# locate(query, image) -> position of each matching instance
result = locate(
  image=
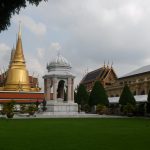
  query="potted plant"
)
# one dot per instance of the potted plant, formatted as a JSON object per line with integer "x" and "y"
{"x": 8, "y": 109}
{"x": 31, "y": 109}
{"x": 23, "y": 108}
{"x": 129, "y": 109}
{"x": 100, "y": 109}
{"x": 3, "y": 112}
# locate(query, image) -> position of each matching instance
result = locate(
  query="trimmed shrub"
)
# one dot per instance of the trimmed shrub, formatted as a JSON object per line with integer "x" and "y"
{"x": 98, "y": 95}
{"x": 126, "y": 97}
{"x": 82, "y": 96}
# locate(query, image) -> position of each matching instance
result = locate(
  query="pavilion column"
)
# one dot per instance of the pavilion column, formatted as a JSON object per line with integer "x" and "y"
{"x": 47, "y": 89}
{"x": 50, "y": 87}
{"x": 69, "y": 90}
{"x": 55, "y": 84}
{"x": 72, "y": 90}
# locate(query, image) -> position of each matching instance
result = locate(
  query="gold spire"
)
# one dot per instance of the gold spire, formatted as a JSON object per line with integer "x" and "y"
{"x": 17, "y": 73}
{"x": 18, "y": 56}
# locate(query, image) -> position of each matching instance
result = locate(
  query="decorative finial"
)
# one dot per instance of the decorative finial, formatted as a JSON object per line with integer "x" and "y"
{"x": 19, "y": 33}
{"x": 13, "y": 47}
{"x": 112, "y": 64}
{"x": 108, "y": 64}
{"x": 104, "y": 64}
{"x": 58, "y": 53}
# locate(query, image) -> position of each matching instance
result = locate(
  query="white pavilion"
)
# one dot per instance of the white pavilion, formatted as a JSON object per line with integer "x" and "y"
{"x": 59, "y": 87}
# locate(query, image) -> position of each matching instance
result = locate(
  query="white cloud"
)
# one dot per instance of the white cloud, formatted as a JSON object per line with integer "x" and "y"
{"x": 36, "y": 68}
{"x": 37, "y": 28}
{"x": 132, "y": 11}
{"x": 55, "y": 46}
{"x": 4, "y": 47}
{"x": 90, "y": 31}
{"x": 4, "y": 55}
{"x": 40, "y": 52}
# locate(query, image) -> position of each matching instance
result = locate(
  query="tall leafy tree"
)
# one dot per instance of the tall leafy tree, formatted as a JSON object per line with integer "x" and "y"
{"x": 11, "y": 7}
{"x": 126, "y": 97}
{"x": 98, "y": 95}
{"x": 82, "y": 95}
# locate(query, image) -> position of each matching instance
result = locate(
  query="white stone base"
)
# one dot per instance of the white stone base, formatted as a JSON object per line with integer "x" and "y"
{"x": 58, "y": 107}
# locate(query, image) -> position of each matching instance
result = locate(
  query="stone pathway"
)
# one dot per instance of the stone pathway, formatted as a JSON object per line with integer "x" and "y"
{"x": 79, "y": 115}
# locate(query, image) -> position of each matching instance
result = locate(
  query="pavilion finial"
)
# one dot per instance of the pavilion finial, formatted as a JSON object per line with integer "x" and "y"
{"x": 58, "y": 53}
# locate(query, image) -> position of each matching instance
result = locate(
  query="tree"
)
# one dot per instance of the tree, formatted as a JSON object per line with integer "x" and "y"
{"x": 98, "y": 95}
{"x": 148, "y": 97}
{"x": 148, "y": 103}
{"x": 126, "y": 97}
{"x": 82, "y": 96}
{"x": 11, "y": 7}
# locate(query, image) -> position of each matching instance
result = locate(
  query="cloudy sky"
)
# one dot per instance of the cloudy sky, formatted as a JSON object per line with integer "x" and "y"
{"x": 86, "y": 32}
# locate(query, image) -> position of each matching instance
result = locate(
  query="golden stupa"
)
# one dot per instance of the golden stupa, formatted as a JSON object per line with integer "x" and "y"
{"x": 17, "y": 76}
{"x": 15, "y": 82}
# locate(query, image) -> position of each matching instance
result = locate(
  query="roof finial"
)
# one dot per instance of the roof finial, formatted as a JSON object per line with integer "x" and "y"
{"x": 108, "y": 64}
{"x": 104, "y": 64}
{"x": 112, "y": 64}
{"x": 19, "y": 33}
{"x": 13, "y": 47}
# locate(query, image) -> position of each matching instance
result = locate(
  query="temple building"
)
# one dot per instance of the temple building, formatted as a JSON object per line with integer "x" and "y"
{"x": 138, "y": 80}
{"x": 16, "y": 83}
{"x": 59, "y": 87}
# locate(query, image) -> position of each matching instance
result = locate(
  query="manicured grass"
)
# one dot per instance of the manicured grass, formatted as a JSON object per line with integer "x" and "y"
{"x": 75, "y": 134}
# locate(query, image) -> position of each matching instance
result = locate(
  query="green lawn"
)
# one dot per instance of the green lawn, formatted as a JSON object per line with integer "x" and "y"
{"x": 75, "y": 134}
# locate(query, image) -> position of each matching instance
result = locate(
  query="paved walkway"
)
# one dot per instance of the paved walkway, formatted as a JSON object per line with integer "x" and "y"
{"x": 79, "y": 115}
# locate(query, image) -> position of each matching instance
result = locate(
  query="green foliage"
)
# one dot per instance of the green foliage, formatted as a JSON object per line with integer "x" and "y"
{"x": 23, "y": 108}
{"x": 86, "y": 108}
{"x": 31, "y": 109}
{"x": 75, "y": 94}
{"x": 98, "y": 95}
{"x": 141, "y": 109}
{"x": 9, "y": 108}
{"x": 129, "y": 108}
{"x": 44, "y": 108}
{"x": 148, "y": 108}
{"x": 126, "y": 97}
{"x": 11, "y": 7}
{"x": 100, "y": 109}
{"x": 82, "y": 96}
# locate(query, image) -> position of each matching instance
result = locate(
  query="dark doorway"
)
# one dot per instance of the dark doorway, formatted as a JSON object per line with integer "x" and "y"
{"x": 60, "y": 90}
